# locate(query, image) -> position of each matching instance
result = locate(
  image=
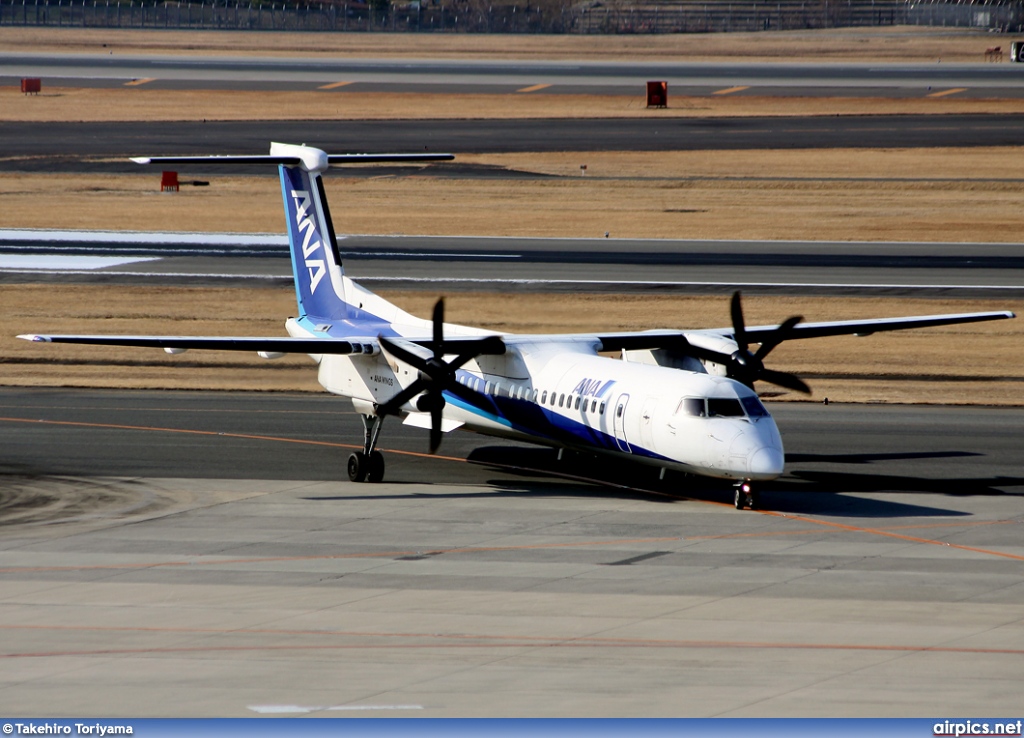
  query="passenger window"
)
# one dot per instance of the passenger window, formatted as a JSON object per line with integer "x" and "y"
{"x": 561, "y": 400}
{"x": 602, "y": 408}
{"x": 577, "y": 407}
{"x": 724, "y": 407}
{"x": 544, "y": 398}
{"x": 618, "y": 413}
{"x": 488, "y": 388}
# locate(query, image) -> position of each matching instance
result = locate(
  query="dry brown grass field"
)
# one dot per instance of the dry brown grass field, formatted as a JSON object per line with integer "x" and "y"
{"x": 900, "y": 43}
{"x": 137, "y": 103}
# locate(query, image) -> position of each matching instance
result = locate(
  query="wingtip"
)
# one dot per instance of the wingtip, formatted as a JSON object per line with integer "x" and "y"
{"x": 142, "y": 159}
{"x": 34, "y": 337}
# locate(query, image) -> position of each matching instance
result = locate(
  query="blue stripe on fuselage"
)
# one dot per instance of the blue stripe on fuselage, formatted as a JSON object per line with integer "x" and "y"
{"x": 531, "y": 419}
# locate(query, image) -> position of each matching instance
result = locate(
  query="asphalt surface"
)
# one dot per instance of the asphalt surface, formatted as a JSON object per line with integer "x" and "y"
{"x": 968, "y": 270}
{"x": 29, "y": 146}
{"x": 195, "y": 554}
{"x": 596, "y": 77}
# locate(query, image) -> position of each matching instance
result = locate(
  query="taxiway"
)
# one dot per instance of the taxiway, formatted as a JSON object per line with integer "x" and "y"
{"x": 195, "y": 554}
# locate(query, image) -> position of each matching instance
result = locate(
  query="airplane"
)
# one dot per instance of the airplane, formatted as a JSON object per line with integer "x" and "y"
{"x": 681, "y": 400}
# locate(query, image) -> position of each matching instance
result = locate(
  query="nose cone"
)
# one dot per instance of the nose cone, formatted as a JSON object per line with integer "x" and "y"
{"x": 766, "y": 463}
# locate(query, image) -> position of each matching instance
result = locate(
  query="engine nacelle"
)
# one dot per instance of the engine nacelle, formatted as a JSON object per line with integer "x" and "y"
{"x": 713, "y": 343}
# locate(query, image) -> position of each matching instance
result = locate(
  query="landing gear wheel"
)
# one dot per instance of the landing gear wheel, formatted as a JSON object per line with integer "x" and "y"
{"x": 745, "y": 496}
{"x": 375, "y": 473}
{"x": 753, "y": 500}
{"x": 358, "y": 466}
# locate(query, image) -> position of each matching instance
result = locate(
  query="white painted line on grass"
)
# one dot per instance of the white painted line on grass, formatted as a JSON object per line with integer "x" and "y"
{"x": 62, "y": 263}
{"x": 305, "y": 709}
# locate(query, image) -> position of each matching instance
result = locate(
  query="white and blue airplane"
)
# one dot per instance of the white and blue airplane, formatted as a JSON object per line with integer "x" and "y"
{"x": 672, "y": 399}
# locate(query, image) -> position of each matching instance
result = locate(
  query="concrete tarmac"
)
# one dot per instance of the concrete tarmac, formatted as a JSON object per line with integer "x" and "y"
{"x": 195, "y": 554}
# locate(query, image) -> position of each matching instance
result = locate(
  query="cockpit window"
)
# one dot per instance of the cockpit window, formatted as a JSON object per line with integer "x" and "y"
{"x": 724, "y": 407}
{"x": 754, "y": 407}
{"x": 692, "y": 406}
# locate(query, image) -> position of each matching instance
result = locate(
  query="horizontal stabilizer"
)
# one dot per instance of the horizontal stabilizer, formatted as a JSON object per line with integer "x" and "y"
{"x": 305, "y": 161}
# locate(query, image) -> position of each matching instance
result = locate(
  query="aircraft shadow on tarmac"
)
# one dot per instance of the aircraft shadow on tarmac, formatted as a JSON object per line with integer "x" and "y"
{"x": 537, "y": 472}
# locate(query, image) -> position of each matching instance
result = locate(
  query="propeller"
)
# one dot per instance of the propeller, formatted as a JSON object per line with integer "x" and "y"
{"x": 748, "y": 367}
{"x": 436, "y": 375}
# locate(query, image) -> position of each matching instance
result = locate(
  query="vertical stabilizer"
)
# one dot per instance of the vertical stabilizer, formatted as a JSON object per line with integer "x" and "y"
{"x": 316, "y": 263}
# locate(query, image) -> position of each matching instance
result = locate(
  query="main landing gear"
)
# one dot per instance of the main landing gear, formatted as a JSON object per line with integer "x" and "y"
{"x": 745, "y": 496}
{"x": 368, "y": 465}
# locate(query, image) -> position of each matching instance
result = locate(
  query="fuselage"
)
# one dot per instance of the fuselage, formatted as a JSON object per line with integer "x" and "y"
{"x": 689, "y": 421}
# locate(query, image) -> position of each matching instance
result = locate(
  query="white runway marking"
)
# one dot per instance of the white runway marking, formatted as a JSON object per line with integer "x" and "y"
{"x": 304, "y": 709}
{"x": 669, "y": 283}
{"x": 62, "y": 263}
{"x": 35, "y": 235}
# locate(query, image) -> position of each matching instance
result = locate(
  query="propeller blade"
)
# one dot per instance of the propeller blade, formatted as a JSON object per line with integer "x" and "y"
{"x": 784, "y": 379}
{"x": 438, "y": 321}
{"x": 739, "y": 327}
{"x": 391, "y": 406}
{"x": 780, "y": 334}
{"x": 436, "y": 413}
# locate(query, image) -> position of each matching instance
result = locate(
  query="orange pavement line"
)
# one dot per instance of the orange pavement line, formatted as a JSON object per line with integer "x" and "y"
{"x": 807, "y": 531}
{"x": 943, "y": 93}
{"x": 333, "y": 85}
{"x": 137, "y": 82}
{"x": 730, "y": 90}
{"x": 331, "y": 444}
{"x": 890, "y": 534}
{"x": 522, "y": 643}
{"x": 533, "y": 88}
{"x": 518, "y": 640}
{"x": 330, "y": 557}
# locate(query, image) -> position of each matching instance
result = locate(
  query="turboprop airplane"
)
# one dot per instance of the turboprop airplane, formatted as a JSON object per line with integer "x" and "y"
{"x": 673, "y": 399}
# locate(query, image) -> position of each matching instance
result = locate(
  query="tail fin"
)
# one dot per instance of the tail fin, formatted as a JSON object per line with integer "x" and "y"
{"x": 316, "y": 262}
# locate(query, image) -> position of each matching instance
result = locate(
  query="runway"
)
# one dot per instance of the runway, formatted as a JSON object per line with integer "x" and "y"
{"x": 966, "y": 270}
{"x": 344, "y": 75}
{"x": 74, "y": 147}
{"x": 194, "y": 554}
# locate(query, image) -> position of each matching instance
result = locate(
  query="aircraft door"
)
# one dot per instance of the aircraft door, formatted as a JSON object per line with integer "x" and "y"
{"x": 619, "y": 424}
{"x": 647, "y": 422}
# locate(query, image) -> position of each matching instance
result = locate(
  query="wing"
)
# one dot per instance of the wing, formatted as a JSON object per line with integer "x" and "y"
{"x": 271, "y": 344}
{"x": 221, "y": 343}
{"x": 867, "y": 327}
{"x": 668, "y": 339}
{"x": 615, "y": 341}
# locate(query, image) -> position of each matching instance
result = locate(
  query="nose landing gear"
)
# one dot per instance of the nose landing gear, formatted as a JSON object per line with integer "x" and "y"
{"x": 745, "y": 496}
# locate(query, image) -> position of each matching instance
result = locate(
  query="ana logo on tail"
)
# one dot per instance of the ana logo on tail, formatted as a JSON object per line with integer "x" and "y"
{"x": 307, "y": 227}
